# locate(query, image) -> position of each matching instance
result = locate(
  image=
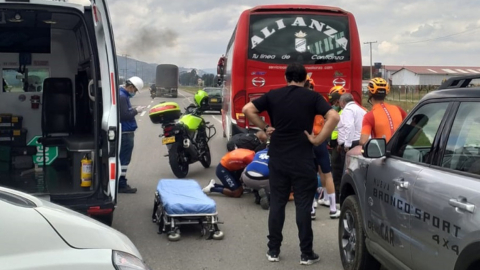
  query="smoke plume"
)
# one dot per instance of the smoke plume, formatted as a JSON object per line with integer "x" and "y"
{"x": 150, "y": 40}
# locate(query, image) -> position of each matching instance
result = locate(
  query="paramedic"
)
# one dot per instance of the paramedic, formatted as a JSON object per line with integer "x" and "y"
{"x": 255, "y": 176}
{"x": 292, "y": 110}
{"x": 129, "y": 125}
{"x": 383, "y": 119}
{"x": 247, "y": 140}
{"x": 229, "y": 171}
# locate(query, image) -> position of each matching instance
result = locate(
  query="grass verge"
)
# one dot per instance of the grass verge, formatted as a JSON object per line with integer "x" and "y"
{"x": 190, "y": 89}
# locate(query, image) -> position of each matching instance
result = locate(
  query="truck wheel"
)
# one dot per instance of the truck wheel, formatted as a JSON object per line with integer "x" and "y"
{"x": 351, "y": 238}
{"x": 174, "y": 94}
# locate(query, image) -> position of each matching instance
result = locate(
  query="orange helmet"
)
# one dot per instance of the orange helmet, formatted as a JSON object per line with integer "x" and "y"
{"x": 378, "y": 86}
{"x": 310, "y": 80}
{"x": 337, "y": 89}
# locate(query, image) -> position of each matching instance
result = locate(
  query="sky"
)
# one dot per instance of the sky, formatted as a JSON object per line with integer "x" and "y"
{"x": 195, "y": 33}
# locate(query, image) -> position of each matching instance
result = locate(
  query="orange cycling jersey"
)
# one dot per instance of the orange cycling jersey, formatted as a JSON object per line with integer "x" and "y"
{"x": 318, "y": 124}
{"x": 383, "y": 120}
{"x": 237, "y": 159}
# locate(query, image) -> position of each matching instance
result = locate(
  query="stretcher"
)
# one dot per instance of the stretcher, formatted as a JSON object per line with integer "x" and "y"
{"x": 179, "y": 202}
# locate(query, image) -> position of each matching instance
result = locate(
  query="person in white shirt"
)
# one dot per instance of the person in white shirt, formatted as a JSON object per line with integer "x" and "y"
{"x": 350, "y": 125}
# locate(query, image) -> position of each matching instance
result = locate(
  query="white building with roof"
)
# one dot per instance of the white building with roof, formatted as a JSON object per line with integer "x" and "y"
{"x": 425, "y": 75}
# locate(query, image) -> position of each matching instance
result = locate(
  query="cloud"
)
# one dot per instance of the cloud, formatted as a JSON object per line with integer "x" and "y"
{"x": 196, "y": 33}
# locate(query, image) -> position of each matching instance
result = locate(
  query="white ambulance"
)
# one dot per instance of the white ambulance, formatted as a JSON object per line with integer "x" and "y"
{"x": 59, "y": 119}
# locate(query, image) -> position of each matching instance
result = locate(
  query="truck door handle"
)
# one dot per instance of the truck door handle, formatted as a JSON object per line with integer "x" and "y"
{"x": 401, "y": 183}
{"x": 462, "y": 204}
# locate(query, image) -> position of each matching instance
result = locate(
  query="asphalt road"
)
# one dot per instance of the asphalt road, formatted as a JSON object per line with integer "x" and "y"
{"x": 244, "y": 246}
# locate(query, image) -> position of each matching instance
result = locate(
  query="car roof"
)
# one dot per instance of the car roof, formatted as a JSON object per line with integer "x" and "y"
{"x": 473, "y": 92}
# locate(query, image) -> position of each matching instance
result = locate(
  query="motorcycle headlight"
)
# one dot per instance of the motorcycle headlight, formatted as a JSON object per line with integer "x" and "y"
{"x": 125, "y": 261}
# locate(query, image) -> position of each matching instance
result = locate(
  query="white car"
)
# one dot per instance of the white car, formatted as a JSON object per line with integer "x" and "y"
{"x": 36, "y": 234}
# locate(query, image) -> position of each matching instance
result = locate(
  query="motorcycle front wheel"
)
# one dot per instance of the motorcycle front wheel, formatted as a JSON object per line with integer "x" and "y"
{"x": 176, "y": 159}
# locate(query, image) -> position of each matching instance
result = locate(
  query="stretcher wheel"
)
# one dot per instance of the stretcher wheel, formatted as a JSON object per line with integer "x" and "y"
{"x": 174, "y": 236}
{"x": 218, "y": 235}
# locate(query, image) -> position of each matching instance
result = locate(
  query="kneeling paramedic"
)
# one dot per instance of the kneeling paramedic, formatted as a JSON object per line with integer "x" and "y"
{"x": 256, "y": 177}
{"x": 129, "y": 125}
{"x": 229, "y": 171}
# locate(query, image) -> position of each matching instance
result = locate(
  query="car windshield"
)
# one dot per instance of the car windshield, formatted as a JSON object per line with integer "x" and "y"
{"x": 214, "y": 92}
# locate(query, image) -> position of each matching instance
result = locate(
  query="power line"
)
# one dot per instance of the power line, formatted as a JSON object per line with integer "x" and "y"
{"x": 451, "y": 35}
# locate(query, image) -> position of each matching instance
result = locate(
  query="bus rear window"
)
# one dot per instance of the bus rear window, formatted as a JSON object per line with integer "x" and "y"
{"x": 305, "y": 38}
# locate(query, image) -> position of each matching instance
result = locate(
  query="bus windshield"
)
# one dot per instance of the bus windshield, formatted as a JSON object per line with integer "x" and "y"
{"x": 305, "y": 38}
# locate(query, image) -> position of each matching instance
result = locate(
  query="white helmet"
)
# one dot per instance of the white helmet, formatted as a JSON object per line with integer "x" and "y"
{"x": 136, "y": 81}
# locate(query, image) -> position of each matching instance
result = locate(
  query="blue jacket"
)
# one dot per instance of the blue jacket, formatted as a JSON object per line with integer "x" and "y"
{"x": 258, "y": 168}
{"x": 127, "y": 113}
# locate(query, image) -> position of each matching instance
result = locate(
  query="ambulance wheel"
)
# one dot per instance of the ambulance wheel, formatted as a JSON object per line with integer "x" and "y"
{"x": 218, "y": 235}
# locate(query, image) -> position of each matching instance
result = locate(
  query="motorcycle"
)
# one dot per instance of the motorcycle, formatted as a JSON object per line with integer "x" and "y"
{"x": 186, "y": 138}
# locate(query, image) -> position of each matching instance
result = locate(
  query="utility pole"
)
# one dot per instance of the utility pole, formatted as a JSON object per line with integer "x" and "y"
{"x": 126, "y": 63}
{"x": 370, "y": 43}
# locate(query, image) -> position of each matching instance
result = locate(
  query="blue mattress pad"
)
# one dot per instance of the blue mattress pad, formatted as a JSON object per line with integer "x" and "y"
{"x": 184, "y": 197}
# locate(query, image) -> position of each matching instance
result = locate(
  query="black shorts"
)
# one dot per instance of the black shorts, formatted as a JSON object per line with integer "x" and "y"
{"x": 322, "y": 157}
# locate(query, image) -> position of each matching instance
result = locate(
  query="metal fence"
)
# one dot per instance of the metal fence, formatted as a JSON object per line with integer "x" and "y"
{"x": 410, "y": 93}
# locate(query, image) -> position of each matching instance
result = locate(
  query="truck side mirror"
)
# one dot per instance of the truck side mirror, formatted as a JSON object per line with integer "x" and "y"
{"x": 375, "y": 148}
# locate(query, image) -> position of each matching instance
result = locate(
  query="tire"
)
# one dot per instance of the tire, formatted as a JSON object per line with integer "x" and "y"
{"x": 206, "y": 159}
{"x": 105, "y": 219}
{"x": 218, "y": 235}
{"x": 175, "y": 236}
{"x": 358, "y": 258}
{"x": 175, "y": 94}
{"x": 179, "y": 167}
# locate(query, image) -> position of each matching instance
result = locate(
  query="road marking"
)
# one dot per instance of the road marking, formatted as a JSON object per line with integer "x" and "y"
{"x": 151, "y": 101}
{"x": 218, "y": 120}
{"x": 148, "y": 107}
{"x": 143, "y": 113}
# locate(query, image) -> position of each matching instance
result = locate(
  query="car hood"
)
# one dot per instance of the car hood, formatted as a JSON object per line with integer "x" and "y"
{"x": 78, "y": 230}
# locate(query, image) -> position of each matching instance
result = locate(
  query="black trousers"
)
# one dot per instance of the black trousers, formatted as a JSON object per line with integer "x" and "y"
{"x": 302, "y": 176}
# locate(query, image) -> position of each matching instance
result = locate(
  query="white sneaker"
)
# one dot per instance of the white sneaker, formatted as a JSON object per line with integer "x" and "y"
{"x": 324, "y": 202}
{"x": 335, "y": 214}
{"x": 315, "y": 203}
{"x": 207, "y": 189}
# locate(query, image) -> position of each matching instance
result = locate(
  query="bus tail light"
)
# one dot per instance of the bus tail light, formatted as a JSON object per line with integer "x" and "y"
{"x": 239, "y": 100}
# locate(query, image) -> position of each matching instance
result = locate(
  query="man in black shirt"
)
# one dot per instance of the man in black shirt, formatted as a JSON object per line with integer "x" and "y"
{"x": 292, "y": 110}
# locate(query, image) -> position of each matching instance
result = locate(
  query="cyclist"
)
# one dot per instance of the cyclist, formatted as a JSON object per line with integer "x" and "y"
{"x": 322, "y": 160}
{"x": 384, "y": 118}
{"x": 229, "y": 171}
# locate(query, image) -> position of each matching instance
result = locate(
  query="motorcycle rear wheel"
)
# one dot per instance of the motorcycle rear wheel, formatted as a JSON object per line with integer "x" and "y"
{"x": 177, "y": 164}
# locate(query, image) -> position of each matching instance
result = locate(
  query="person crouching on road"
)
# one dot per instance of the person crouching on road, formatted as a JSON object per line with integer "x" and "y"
{"x": 229, "y": 171}
{"x": 251, "y": 141}
{"x": 256, "y": 177}
{"x": 129, "y": 125}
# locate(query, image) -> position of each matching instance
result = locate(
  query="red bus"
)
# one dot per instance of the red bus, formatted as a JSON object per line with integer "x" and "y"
{"x": 269, "y": 37}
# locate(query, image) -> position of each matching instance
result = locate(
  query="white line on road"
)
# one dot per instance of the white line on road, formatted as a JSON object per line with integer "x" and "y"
{"x": 151, "y": 101}
{"x": 143, "y": 113}
{"x": 148, "y": 107}
{"x": 218, "y": 120}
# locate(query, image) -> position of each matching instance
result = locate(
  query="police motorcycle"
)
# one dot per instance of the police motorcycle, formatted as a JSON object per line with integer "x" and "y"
{"x": 185, "y": 135}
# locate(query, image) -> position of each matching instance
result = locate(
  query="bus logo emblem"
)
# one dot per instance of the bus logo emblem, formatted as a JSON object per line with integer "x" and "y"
{"x": 258, "y": 81}
{"x": 339, "y": 82}
{"x": 300, "y": 42}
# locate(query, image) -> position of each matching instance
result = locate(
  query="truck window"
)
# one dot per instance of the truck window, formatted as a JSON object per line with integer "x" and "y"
{"x": 415, "y": 137}
{"x": 463, "y": 145}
